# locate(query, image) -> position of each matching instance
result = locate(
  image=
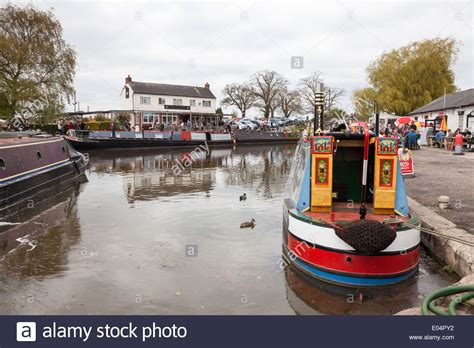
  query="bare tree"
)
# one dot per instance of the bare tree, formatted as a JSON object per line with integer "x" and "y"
{"x": 275, "y": 104}
{"x": 240, "y": 95}
{"x": 309, "y": 89}
{"x": 331, "y": 96}
{"x": 290, "y": 102}
{"x": 268, "y": 84}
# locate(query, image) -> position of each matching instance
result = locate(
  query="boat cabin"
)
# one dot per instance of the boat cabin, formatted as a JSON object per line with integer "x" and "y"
{"x": 349, "y": 171}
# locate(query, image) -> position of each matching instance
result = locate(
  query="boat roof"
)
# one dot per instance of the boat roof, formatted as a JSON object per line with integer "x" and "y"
{"x": 22, "y": 140}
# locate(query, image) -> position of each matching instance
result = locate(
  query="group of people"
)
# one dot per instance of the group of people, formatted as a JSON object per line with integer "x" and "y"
{"x": 188, "y": 126}
{"x": 440, "y": 136}
{"x": 409, "y": 134}
{"x": 64, "y": 125}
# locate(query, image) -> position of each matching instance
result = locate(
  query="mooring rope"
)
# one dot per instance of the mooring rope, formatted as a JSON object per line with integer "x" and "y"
{"x": 439, "y": 234}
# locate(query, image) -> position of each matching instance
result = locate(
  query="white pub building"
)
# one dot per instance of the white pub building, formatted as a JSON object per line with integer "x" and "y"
{"x": 152, "y": 104}
{"x": 458, "y": 108}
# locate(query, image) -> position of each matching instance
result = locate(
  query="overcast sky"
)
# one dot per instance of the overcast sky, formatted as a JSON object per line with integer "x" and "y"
{"x": 192, "y": 43}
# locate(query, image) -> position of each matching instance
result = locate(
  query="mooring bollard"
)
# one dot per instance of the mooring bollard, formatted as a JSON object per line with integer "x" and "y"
{"x": 443, "y": 202}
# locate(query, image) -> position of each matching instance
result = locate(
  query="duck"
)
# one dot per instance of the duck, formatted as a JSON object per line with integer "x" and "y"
{"x": 243, "y": 198}
{"x": 248, "y": 224}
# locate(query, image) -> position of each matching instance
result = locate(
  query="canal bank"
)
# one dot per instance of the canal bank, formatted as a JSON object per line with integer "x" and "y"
{"x": 439, "y": 173}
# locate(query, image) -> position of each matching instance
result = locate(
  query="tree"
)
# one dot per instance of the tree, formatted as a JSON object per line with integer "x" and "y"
{"x": 37, "y": 66}
{"x": 331, "y": 96}
{"x": 335, "y": 113}
{"x": 219, "y": 111}
{"x": 407, "y": 78}
{"x": 290, "y": 102}
{"x": 240, "y": 95}
{"x": 363, "y": 101}
{"x": 123, "y": 118}
{"x": 309, "y": 91}
{"x": 267, "y": 86}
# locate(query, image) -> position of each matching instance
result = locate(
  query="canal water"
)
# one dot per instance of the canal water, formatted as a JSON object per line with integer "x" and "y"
{"x": 158, "y": 232}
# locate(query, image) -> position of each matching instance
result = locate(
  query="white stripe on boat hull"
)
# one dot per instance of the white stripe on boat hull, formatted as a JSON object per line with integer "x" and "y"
{"x": 326, "y": 236}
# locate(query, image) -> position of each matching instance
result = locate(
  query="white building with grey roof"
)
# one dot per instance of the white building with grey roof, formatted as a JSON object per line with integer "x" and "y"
{"x": 157, "y": 103}
{"x": 457, "y": 107}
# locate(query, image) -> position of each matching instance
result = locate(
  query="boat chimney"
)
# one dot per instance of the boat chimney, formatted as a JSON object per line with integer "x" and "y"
{"x": 318, "y": 108}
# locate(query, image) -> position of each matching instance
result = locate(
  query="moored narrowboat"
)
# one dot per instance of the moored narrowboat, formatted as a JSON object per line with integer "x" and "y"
{"x": 171, "y": 139}
{"x": 31, "y": 166}
{"x": 346, "y": 218}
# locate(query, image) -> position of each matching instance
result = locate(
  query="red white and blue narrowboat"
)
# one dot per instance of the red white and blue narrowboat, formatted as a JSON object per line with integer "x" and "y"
{"x": 346, "y": 218}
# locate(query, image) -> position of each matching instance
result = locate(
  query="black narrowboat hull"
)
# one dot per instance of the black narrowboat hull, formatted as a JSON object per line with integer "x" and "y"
{"x": 240, "y": 138}
{"x": 109, "y": 143}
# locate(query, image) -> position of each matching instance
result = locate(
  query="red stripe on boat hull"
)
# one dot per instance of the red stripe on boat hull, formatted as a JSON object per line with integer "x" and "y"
{"x": 353, "y": 264}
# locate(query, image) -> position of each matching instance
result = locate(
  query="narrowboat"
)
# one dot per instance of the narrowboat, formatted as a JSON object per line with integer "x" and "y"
{"x": 32, "y": 166}
{"x": 130, "y": 139}
{"x": 346, "y": 218}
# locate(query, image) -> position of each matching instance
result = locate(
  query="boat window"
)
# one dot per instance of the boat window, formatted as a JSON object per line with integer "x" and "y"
{"x": 38, "y": 154}
{"x": 2, "y": 163}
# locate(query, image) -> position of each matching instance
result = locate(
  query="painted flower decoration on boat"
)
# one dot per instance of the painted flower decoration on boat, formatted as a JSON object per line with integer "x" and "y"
{"x": 322, "y": 171}
{"x": 386, "y": 175}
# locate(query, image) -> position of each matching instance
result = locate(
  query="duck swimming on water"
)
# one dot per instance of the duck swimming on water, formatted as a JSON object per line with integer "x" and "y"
{"x": 249, "y": 224}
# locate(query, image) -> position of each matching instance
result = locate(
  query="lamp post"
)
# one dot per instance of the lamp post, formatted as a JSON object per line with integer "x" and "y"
{"x": 318, "y": 108}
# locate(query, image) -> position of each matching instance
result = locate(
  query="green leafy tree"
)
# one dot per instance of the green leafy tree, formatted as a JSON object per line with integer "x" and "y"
{"x": 100, "y": 117}
{"x": 37, "y": 66}
{"x": 407, "y": 78}
{"x": 363, "y": 101}
{"x": 123, "y": 118}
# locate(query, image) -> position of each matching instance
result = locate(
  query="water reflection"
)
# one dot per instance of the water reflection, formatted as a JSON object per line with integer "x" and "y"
{"x": 308, "y": 296}
{"x": 150, "y": 175}
{"x": 39, "y": 239}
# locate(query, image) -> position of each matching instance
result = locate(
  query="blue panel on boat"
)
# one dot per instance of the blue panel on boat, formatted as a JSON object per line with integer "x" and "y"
{"x": 401, "y": 202}
{"x": 303, "y": 198}
{"x": 352, "y": 281}
{"x": 127, "y": 135}
{"x": 149, "y": 135}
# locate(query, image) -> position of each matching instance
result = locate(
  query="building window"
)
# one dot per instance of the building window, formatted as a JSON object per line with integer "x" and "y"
{"x": 170, "y": 119}
{"x": 145, "y": 100}
{"x": 206, "y": 103}
{"x": 127, "y": 92}
{"x": 147, "y": 117}
{"x": 177, "y": 101}
{"x": 161, "y": 101}
{"x": 192, "y": 102}
{"x": 460, "y": 121}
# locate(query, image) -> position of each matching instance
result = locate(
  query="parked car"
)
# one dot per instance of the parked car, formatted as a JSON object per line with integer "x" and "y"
{"x": 250, "y": 125}
{"x": 258, "y": 123}
{"x": 245, "y": 124}
{"x": 276, "y": 122}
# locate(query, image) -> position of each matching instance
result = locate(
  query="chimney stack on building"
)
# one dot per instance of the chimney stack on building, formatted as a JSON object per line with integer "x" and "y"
{"x": 128, "y": 79}
{"x": 207, "y": 85}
